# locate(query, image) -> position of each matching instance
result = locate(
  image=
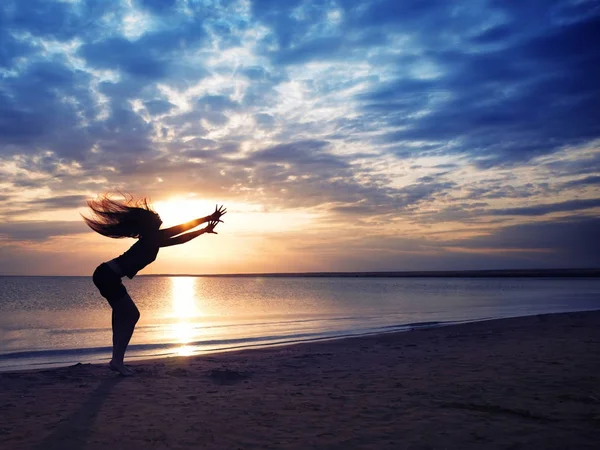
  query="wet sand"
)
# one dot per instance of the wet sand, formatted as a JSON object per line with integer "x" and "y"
{"x": 531, "y": 383}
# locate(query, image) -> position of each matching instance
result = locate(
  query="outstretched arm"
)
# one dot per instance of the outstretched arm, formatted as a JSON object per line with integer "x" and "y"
{"x": 178, "y": 229}
{"x": 182, "y": 238}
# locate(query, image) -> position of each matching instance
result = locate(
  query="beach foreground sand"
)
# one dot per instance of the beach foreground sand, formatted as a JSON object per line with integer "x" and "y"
{"x": 530, "y": 382}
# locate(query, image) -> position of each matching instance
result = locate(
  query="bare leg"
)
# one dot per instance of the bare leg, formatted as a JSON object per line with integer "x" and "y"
{"x": 124, "y": 318}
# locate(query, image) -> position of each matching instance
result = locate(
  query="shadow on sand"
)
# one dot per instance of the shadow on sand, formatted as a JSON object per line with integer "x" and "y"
{"x": 73, "y": 432}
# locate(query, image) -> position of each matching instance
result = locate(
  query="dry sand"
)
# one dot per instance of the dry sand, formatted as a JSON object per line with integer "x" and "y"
{"x": 531, "y": 383}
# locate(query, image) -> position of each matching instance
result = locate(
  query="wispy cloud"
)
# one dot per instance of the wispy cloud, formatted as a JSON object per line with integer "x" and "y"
{"x": 540, "y": 210}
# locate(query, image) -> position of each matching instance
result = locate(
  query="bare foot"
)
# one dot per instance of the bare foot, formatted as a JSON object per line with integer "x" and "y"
{"x": 123, "y": 371}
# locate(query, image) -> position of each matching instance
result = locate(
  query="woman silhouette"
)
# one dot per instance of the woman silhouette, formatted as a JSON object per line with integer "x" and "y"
{"x": 136, "y": 219}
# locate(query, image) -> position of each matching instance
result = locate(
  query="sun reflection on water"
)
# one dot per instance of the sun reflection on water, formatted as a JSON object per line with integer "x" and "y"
{"x": 184, "y": 311}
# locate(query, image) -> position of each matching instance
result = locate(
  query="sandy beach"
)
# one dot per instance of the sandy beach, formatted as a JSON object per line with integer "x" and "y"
{"x": 531, "y": 382}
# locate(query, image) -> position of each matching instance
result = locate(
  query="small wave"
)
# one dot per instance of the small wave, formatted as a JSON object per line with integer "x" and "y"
{"x": 39, "y": 358}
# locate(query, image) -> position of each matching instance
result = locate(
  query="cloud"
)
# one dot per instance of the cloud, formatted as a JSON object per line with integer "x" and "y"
{"x": 540, "y": 210}
{"x": 133, "y": 58}
{"x": 567, "y": 242}
{"x": 560, "y": 244}
{"x": 56, "y": 20}
{"x": 40, "y": 230}
{"x": 11, "y": 47}
{"x": 43, "y": 107}
{"x": 156, "y": 107}
{"x": 157, "y": 6}
{"x": 583, "y": 182}
{"x": 489, "y": 103}
{"x": 418, "y": 112}
{"x": 472, "y": 79}
{"x": 60, "y": 202}
{"x": 582, "y": 165}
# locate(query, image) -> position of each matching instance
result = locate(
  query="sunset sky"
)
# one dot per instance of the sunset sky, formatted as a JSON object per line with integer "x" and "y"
{"x": 341, "y": 135}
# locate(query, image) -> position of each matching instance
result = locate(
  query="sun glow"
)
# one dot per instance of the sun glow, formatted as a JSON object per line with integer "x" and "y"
{"x": 245, "y": 242}
{"x": 180, "y": 210}
{"x": 241, "y": 217}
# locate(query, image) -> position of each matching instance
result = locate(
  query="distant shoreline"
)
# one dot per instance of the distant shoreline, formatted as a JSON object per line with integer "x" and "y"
{"x": 544, "y": 273}
{"x": 509, "y": 273}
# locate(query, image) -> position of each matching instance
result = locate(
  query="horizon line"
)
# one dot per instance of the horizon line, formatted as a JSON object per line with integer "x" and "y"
{"x": 579, "y": 273}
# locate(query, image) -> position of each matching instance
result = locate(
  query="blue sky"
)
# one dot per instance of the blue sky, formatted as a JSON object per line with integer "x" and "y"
{"x": 344, "y": 135}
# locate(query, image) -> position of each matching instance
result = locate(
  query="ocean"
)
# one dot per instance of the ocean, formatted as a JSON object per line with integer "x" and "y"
{"x": 59, "y": 321}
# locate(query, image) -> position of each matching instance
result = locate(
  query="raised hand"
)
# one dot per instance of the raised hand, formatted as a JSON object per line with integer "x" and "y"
{"x": 210, "y": 228}
{"x": 219, "y": 211}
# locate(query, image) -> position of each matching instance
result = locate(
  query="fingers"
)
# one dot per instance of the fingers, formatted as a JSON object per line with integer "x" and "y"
{"x": 215, "y": 218}
{"x": 219, "y": 211}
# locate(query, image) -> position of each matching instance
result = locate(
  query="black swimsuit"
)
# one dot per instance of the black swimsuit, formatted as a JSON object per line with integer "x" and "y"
{"x": 139, "y": 255}
{"x": 109, "y": 284}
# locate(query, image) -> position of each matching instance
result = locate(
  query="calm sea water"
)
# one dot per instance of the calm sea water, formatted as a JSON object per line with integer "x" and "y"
{"x": 50, "y": 321}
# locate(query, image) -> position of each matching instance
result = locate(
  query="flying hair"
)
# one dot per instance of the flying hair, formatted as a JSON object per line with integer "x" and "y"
{"x": 119, "y": 218}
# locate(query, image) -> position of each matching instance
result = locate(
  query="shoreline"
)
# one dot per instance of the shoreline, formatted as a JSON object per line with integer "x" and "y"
{"x": 400, "y": 328}
{"x": 247, "y": 347}
{"x": 519, "y": 382}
